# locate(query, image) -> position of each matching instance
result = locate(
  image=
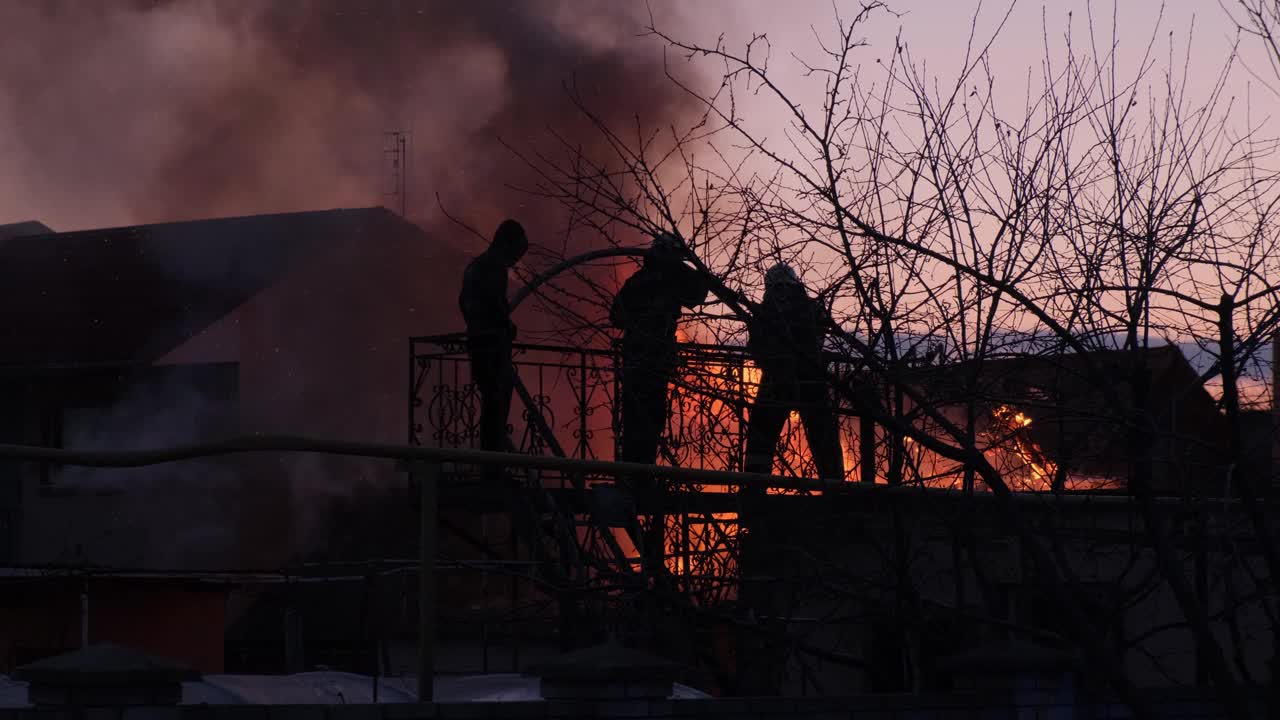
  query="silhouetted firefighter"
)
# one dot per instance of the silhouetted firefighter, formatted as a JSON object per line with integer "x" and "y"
{"x": 786, "y": 334}
{"x": 647, "y": 310}
{"x": 490, "y": 332}
{"x": 787, "y": 331}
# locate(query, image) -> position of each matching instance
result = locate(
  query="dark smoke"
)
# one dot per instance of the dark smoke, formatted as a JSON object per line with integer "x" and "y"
{"x": 163, "y": 516}
{"x": 122, "y": 113}
{"x": 142, "y": 112}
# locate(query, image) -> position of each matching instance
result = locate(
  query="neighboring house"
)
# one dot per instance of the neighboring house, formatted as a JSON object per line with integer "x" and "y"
{"x": 366, "y": 574}
{"x": 19, "y": 229}
{"x": 170, "y": 615}
{"x": 159, "y": 334}
{"x": 163, "y": 334}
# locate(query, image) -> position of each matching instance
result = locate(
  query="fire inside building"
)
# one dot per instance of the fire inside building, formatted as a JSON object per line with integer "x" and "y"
{"x": 881, "y": 581}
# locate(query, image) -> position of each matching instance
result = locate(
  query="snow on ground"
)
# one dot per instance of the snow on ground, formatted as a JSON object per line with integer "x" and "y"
{"x": 338, "y": 688}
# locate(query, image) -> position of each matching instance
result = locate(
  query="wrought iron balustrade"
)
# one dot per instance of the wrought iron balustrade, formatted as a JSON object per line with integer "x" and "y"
{"x": 573, "y": 391}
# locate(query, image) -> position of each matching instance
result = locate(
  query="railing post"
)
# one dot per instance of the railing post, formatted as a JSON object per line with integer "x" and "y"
{"x": 429, "y": 486}
{"x": 867, "y": 448}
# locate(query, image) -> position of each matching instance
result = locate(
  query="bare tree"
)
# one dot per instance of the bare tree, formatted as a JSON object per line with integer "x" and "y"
{"x": 1064, "y": 245}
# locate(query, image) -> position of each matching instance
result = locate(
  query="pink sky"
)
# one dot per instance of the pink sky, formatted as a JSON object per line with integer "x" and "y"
{"x": 937, "y": 32}
{"x": 103, "y": 150}
{"x": 103, "y": 141}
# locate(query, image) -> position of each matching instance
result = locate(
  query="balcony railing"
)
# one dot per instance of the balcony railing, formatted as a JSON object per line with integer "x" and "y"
{"x": 566, "y": 407}
{"x": 573, "y": 390}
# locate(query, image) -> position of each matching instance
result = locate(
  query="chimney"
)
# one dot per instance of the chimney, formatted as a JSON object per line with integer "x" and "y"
{"x": 607, "y": 672}
{"x": 104, "y": 675}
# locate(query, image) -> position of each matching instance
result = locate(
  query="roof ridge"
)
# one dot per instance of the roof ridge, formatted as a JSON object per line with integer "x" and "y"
{"x": 200, "y": 221}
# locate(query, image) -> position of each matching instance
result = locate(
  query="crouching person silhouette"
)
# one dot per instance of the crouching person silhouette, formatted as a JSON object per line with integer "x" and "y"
{"x": 490, "y": 333}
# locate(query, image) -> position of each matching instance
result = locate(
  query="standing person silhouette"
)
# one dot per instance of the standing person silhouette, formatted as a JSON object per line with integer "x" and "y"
{"x": 786, "y": 336}
{"x": 647, "y": 310}
{"x": 490, "y": 332}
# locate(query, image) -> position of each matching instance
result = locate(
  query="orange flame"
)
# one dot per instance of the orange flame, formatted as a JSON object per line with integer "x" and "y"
{"x": 1029, "y": 464}
{"x": 720, "y": 397}
{"x": 699, "y": 548}
{"x": 717, "y": 400}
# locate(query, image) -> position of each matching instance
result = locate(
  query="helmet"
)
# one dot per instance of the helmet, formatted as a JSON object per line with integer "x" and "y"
{"x": 781, "y": 274}
{"x": 667, "y": 245}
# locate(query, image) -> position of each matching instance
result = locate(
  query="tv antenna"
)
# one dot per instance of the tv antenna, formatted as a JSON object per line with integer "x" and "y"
{"x": 395, "y": 153}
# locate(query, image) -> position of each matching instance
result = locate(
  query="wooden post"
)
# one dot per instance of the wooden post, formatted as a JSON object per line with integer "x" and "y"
{"x": 429, "y": 485}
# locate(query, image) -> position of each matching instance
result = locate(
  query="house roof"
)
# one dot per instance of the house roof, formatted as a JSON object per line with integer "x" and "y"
{"x": 104, "y": 665}
{"x": 341, "y": 688}
{"x": 128, "y": 295}
{"x": 27, "y": 227}
{"x": 1010, "y": 655}
{"x": 1073, "y": 417}
{"x": 606, "y": 661}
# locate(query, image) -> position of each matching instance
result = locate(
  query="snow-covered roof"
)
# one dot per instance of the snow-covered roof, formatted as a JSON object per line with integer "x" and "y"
{"x": 338, "y": 688}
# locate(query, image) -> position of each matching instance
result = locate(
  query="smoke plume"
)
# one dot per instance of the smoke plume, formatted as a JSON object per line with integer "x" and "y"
{"x": 151, "y": 111}
{"x": 123, "y": 113}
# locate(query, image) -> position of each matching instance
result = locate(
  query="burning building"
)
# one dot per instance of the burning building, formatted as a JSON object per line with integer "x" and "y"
{"x": 295, "y": 323}
{"x": 1066, "y": 421}
{"x": 1045, "y": 423}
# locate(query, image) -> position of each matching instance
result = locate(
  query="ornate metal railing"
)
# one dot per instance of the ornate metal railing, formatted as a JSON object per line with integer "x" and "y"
{"x": 569, "y": 393}
{"x": 573, "y": 389}
{"x": 566, "y": 407}
{"x": 570, "y": 389}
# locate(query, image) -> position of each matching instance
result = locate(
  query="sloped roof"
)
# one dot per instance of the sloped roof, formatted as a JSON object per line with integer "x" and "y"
{"x": 128, "y": 295}
{"x": 1010, "y": 655}
{"x": 338, "y": 688}
{"x": 27, "y": 227}
{"x": 605, "y": 661}
{"x": 105, "y": 664}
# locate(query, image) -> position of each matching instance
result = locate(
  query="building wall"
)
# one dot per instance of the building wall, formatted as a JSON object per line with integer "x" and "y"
{"x": 37, "y": 623}
{"x": 159, "y": 517}
{"x": 186, "y": 625}
{"x": 853, "y": 549}
{"x": 325, "y": 353}
{"x": 43, "y": 618}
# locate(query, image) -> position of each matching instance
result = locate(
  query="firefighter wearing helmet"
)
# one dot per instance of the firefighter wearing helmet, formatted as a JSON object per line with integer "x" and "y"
{"x": 647, "y": 310}
{"x": 786, "y": 336}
